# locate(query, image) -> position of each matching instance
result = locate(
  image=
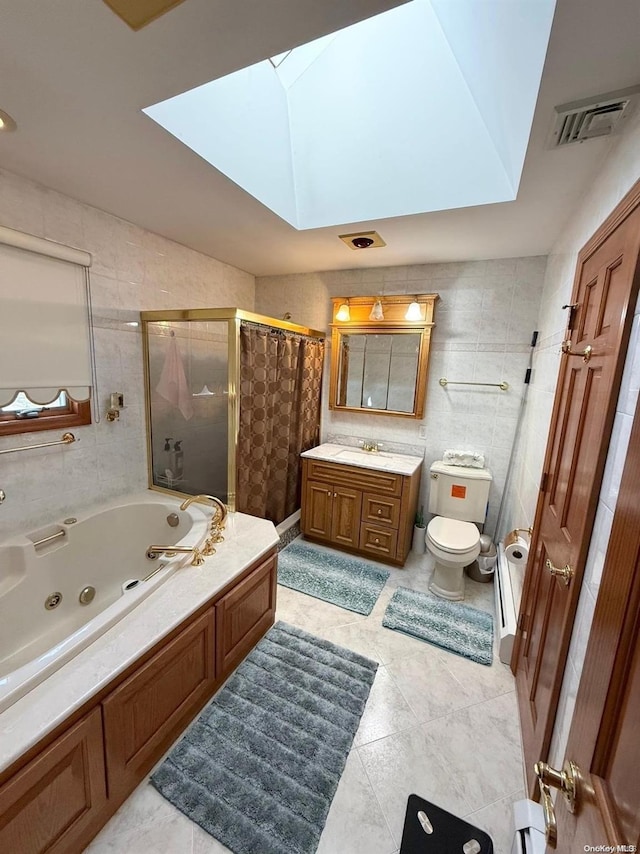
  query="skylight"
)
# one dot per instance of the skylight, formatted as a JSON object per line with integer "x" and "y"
{"x": 425, "y": 107}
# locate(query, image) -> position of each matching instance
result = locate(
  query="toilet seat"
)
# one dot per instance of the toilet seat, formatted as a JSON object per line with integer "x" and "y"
{"x": 452, "y": 535}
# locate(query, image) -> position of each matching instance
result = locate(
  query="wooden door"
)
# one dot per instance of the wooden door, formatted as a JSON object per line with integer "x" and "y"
{"x": 345, "y": 516}
{"x": 604, "y": 740}
{"x": 316, "y": 509}
{"x": 606, "y": 284}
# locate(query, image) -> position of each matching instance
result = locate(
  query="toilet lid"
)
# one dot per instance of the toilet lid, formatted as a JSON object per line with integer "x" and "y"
{"x": 452, "y": 535}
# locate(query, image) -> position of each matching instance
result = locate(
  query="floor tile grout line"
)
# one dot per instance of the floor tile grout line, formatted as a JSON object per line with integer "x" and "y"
{"x": 452, "y": 711}
{"x": 492, "y": 803}
{"x": 378, "y": 801}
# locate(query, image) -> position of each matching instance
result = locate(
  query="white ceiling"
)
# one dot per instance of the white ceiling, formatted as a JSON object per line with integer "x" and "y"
{"x": 75, "y": 78}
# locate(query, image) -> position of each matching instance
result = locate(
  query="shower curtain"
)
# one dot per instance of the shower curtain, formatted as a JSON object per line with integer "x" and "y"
{"x": 280, "y": 385}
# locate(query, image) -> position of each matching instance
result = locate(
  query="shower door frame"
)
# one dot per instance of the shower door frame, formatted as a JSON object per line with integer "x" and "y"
{"x": 233, "y": 318}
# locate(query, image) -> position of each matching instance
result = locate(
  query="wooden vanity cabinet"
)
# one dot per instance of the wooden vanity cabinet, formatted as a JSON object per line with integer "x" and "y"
{"x": 365, "y": 511}
{"x": 58, "y": 797}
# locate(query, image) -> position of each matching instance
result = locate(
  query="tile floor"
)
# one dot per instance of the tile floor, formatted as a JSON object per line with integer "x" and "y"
{"x": 435, "y": 724}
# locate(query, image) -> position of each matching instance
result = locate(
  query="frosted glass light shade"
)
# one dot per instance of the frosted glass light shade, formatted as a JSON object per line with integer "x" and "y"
{"x": 414, "y": 312}
{"x": 343, "y": 314}
{"x": 377, "y": 312}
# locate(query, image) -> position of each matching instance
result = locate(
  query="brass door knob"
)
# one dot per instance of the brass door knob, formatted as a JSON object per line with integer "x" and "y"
{"x": 567, "y": 782}
{"x": 564, "y": 572}
{"x": 586, "y": 353}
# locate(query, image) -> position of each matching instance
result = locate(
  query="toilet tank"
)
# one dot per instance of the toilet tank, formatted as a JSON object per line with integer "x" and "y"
{"x": 458, "y": 492}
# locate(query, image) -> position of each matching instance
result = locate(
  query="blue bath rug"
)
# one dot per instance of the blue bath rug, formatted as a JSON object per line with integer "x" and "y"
{"x": 449, "y": 625}
{"x": 259, "y": 768}
{"x": 341, "y": 580}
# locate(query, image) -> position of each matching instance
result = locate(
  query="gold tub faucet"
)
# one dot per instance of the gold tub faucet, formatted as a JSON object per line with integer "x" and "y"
{"x": 170, "y": 551}
{"x": 208, "y": 499}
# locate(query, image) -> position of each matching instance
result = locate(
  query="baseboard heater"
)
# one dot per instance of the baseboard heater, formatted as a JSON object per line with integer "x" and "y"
{"x": 508, "y": 590}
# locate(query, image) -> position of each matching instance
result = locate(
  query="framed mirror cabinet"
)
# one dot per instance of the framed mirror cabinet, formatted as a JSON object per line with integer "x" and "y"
{"x": 380, "y": 354}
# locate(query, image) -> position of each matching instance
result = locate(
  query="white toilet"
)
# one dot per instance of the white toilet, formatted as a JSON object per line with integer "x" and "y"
{"x": 458, "y": 496}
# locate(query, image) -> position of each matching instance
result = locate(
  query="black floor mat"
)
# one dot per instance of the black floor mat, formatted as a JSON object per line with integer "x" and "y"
{"x": 449, "y": 833}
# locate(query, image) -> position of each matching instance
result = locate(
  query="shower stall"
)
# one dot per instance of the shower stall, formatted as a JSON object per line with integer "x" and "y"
{"x": 232, "y": 400}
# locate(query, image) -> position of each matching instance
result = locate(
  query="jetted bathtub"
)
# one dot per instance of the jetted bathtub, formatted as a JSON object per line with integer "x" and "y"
{"x": 65, "y": 584}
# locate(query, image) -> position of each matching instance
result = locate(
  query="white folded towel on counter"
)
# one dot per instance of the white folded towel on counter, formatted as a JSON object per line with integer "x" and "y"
{"x": 469, "y": 459}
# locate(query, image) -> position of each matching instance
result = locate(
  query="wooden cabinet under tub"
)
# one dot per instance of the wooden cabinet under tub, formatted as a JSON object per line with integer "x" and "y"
{"x": 366, "y": 511}
{"x": 55, "y": 799}
{"x": 58, "y": 796}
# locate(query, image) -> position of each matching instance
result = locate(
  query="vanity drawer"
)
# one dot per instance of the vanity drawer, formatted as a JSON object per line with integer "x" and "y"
{"x": 381, "y": 510}
{"x": 378, "y": 540}
{"x": 367, "y": 480}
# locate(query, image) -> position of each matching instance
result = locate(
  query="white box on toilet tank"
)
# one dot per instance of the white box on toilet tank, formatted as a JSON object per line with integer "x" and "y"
{"x": 458, "y": 492}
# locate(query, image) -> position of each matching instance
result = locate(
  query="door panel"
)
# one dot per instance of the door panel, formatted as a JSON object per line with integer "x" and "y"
{"x": 345, "y": 523}
{"x": 316, "y": 510}
{"x": 584, "y": 407}
{"x": 244, "y": 615}
{"x": 144, "y": 714}
{"x": 52, "y": 802}
{"x": 603, "y": 739}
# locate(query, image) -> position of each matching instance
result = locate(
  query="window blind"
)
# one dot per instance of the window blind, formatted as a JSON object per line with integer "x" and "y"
{"x": 45, "y": 345}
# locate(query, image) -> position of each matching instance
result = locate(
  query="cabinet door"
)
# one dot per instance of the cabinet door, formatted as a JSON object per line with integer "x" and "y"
{"x": 149, "y": 709}
{"x": 378, "y": 540}
{"x": 245, "y": 614}
{"x": 345, "y": 520}
{"x": 316, "y": 510}
{"x": 50, "y": 804}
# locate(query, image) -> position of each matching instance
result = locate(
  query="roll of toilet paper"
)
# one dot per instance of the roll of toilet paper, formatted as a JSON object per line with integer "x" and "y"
{"x": 516, "y": 549}
{"x": 130, "y": 584}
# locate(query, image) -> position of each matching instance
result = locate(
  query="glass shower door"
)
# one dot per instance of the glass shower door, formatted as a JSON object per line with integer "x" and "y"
{"x": 188, "y": 376}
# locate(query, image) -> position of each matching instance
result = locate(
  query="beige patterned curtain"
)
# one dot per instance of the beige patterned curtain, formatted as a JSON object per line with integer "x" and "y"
{"x": 280, "y": 384}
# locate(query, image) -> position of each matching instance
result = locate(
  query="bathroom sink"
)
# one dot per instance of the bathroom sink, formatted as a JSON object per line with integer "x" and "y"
{"x": 357, "y": 456}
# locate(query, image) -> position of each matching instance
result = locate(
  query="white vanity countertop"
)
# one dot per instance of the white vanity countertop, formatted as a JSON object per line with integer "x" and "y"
{"x": 48, "y": 704}
{"x": 377, "y": 461}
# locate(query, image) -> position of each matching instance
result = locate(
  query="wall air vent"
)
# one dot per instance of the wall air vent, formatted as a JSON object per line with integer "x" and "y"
{"x": 592, "y": 118}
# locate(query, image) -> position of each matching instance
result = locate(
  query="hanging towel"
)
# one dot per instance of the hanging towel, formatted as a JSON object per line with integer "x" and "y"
{"x": 173, "y": 384}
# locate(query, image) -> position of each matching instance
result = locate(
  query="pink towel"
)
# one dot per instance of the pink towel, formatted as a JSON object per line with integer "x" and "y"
{"x": 173, "y": 384}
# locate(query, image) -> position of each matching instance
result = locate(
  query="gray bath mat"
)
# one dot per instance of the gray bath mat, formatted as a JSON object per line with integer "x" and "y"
{"x": 335, "y": 578}
{"x": 450, "y": 625}
{"x": 259, "y": 768}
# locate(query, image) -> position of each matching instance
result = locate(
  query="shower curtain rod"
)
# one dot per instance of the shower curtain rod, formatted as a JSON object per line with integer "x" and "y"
{"x": 204, "y": 314}
{"x": 276, "y": 330}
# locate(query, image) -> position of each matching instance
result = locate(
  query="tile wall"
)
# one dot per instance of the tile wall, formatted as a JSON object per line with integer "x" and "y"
{"x": 620, "y": 170}
{"x": 484, "y": 320}
{"x": 133, "y": 269}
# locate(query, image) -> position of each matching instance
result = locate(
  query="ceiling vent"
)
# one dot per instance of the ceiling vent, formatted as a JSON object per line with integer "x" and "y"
{"x": 593, "y": 117}
{"x": 363, "y": 240}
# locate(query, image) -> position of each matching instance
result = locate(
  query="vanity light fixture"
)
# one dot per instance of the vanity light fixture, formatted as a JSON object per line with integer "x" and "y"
{"x": 414, "y": 312}
{"x": 7, "y": 124}
{"x": 377, "y": 312}
{"x": 343, "y": 313}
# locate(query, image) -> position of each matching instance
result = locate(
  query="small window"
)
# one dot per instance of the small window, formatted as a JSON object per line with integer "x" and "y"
{"x": 22, "y": 415}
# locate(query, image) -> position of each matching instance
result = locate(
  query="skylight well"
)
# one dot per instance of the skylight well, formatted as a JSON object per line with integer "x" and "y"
{"x": 425, "y": 107}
